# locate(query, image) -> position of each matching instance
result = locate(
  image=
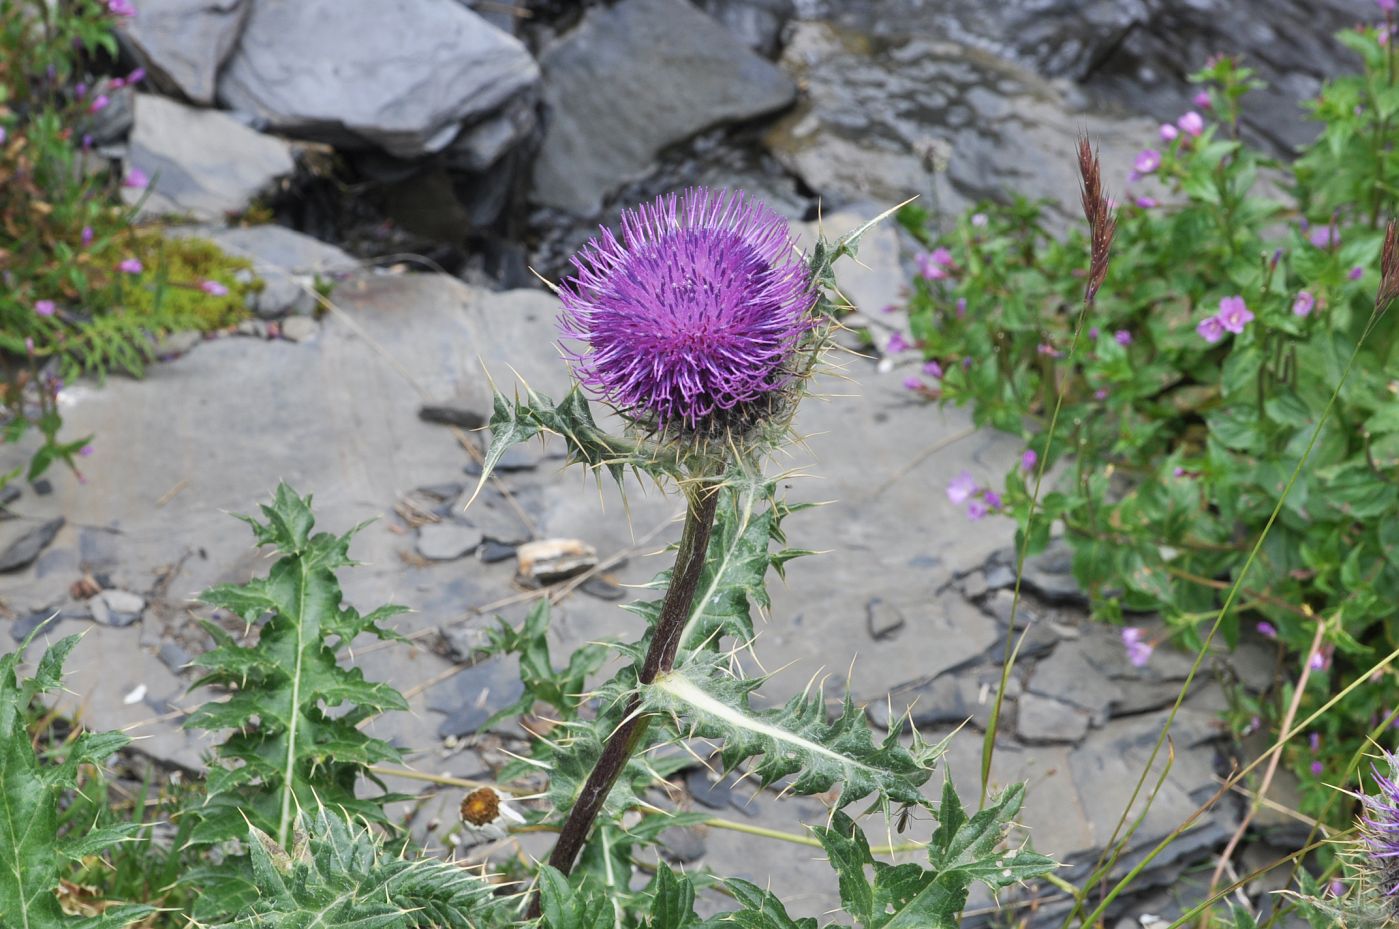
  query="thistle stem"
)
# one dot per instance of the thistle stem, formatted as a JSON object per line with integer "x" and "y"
{"x": 660, "y": 658}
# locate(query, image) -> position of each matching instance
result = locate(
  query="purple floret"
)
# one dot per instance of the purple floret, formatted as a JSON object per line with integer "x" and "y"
{"x": 694, "y": 312}
{"x": 1380, "y": 826}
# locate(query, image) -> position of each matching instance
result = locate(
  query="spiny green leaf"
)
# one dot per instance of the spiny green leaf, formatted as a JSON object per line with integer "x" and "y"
{"x": 968, "y": 847}
{"x": 674, "y": 904}
{"x": 761, "y": 910}
{"x": 795, "y": 740}
{"x": 30, "y": 795}
{"x": 338, "y": 874}
{"x": 288, "y": 750}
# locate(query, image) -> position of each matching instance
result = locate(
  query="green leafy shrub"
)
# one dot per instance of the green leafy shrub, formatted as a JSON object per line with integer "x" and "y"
{"x": 84, "y": 291}
{"x": 1241, "y": 293}
{"x": 32, "y": 843}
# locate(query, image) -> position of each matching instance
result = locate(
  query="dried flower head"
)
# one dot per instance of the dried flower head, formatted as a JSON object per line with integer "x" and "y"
{"x": 693, "y": 317}
{"x": 1098, "y": 210}
{"x": 486, "y": 812}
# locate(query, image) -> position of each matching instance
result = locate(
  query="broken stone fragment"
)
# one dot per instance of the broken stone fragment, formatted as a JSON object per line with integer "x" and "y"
{"x": 550, "y": 560}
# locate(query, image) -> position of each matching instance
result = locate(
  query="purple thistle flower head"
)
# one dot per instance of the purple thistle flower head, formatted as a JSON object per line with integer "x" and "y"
{"x": 1379, "y": 830}
{"x": 694, "y": 313}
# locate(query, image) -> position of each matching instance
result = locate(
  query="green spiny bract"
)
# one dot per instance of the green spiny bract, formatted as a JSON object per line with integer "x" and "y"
{"x": 30, "y": 794}
{"x": 288, "y": 751}
{"x": 336, "y": 873}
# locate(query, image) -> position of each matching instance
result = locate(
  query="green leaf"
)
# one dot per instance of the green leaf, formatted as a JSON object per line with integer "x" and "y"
{"x": 965, "y": 850}
{"x": 761, "y": 910}
{"x": 30, "y": 796}
{"x": 295, "y": 711}
{"x": 795, "y": 740}
{"x": 674, "y": 903}
{"x": 338, "y": 874}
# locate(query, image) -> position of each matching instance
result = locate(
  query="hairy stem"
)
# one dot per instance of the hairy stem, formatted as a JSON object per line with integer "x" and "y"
{"x": 665, "y": 643}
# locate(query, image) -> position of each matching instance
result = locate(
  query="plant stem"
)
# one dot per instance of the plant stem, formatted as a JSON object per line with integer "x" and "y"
{"x": 660, "y": 658}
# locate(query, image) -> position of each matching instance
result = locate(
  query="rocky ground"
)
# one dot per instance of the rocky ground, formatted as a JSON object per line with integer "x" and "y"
{"x": 488, "y": 136}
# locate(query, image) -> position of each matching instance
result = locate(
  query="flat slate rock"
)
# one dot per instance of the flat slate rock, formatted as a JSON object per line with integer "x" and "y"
{"x": 682, "y": 72}
{"x": 183, "y": 43}
{"x": 202, "y": 163}
{"x": 21, "y": 541}
{"x": 403, "y": 76}
{"x": 447, "y": 541}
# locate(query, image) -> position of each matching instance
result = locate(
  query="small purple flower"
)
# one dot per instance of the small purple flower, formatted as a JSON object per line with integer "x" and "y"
{"x": 1325, "y": 236}
{"x": 979, "y": 220}
{"x": 696, "y": 311}
{"x": 961, "y": 307}
{"x": 1317, "y": 768}
{"x": 1147, "y": 161}
{"x": 79, "y": 90}
{"x": 933, "y": 265}
{"x": 975, "y": 509}
{"x": 993, "y": 500}
{"x": 1028, "y": 459}
{"x": 1356, "y": 273}
{"x": 121, "y": 8}
{"x": 1267, "y": 630}
{"x": 1234, "y": 314}
{"x": 1385, "y": 5}
{"x": 1168, "y": 132}
{"x": 1202, "y": 100}
{"x": 1093, "y": 332}
{"x": 29, "y": 344}
{"x": 136, "y": 77}
{"x": 87, "y": 236}
{"x": 1123, "y": 337}
{"x": 932, "y": 369}
{"x": 130, "y": 266}
{"x": 912, "y": 383}
{"x": 86, "y": 451}
{"x": 214, "y": 289}
{"x": 1314, "y": 741}
{"x": 136, "y": 179}
{"x": 99, "y": 103}
{"x": 1320, "y": 660}
{"x": 1138, "y": 649}
{"x": 961, "y": 488}
{"x": 87, "y": 141}
{"x": 44, "y": 307}
{"x": 1046, "y": 348}
{"x": 3, "y": 135}
{"x": 1192, "y": 123}
{"x": 1211, "y": 330}
{"x": 1100, "y": 394}
{"x": 897, "y": 343}
{"x": 1146, "y": 203}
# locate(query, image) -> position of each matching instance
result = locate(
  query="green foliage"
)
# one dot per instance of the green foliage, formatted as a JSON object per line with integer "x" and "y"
{"x": 1172, "y": 450}
{"x": 31, "y": 849}
{"x": 67, "y": 307}
{"x": 338, "y": 874}
{"x": 796, "y": 740}
{"x": 288, "y": 751}
{"x": 963, "y": 850}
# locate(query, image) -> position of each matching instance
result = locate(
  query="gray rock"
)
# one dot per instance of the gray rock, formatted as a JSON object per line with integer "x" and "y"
{"x": 482, "y": 145}
{"x": 201, "y": 162}
{"x": 757, "y": 23}
{"x": 118, "y": 608}
{"x": 447, "y": 541}
{"x": 21, "y": 541}
{"x": 1050, "y": 575}
{"x": 1044, "y": 719}
{"x": 111, "y": 124}
{"x": 174, "y": 656}
{"x": 282, "y": 294}
{"x": 493, "y": 515}
{"x": 279, "y": 247}
{"x": 683, "y": 73}
{"x": 1069, "y": 676}
{"x": 254, "y": 328}
{"x": 473, "y": 695}
{"x": 299, "y": 328}
{"x": 177, "y": 343}
{"x": 21, "y": 628}
{"x": 404, "y": 76}
{"x": 681, "y": 846}
{"x": 493, "y": 552}
{"x": 183, "y": 43}
{"x": 889, "y": 120}
{"x": 451, "y": 415}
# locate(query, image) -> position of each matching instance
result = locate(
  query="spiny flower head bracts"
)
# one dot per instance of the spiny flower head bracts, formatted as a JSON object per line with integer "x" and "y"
{"x": 694, "y": 316}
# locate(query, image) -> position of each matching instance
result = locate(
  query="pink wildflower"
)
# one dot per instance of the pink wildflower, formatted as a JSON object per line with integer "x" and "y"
{"x": 1192, "y": 123}
{"x": 1304, "y": 303}
{"x": 44, "y": 307}
{"x": 1234, "y": 314}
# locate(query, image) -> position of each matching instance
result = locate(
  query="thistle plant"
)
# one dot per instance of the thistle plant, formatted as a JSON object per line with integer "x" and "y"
{"x": 701, "y": 328}
{"x": 288, "y": 751}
